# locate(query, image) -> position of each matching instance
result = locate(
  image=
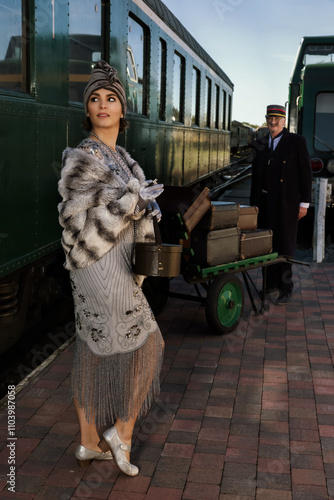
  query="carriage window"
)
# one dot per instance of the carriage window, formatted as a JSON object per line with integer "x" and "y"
{"x": 229, "y": 116}
{"x": 196, "y": 79}
{"x": 324, "y": 122}
{"x": 207, "y": 108}
{"x": 85, "y": 43}
{"x": 224, "y": 110}
{"x": 217, "y": 103}
{"x": 178, "y": 88}
{"x": 135, "y": 67}
{"x": 162, "y": 80}
{"x": 13, "y": 46}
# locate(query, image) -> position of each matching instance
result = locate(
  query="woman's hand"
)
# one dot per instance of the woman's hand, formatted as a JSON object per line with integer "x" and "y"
{"x": 149, "y": 192}
{"x": 153, "y": 210}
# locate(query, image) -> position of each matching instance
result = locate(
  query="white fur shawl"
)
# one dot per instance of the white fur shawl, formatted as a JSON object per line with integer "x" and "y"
{"x": 97, "y": 205}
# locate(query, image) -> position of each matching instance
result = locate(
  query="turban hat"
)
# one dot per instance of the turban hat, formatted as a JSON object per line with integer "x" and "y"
{"x": 103, "y": 76}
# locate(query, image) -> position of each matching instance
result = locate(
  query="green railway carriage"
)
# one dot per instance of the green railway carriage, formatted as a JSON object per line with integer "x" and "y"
{"x": 311, "y": 101}
{"x": 179, "y": 102}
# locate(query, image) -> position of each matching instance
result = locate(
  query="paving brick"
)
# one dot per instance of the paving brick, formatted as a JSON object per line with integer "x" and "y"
{"x": 195, "y": 491}
{"x": 237, "y": 487}
{"x": 155, "y": 493}
{"x": 308, "y": 476}
{"x": 271, "y": 494}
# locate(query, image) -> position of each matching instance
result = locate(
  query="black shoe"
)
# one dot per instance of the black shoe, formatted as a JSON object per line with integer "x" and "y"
{"x": 283, "y": 299}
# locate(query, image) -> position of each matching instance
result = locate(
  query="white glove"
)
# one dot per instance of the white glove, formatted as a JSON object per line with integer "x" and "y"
{"x": 153, "y": 210}
{"x": 148, "y": 192}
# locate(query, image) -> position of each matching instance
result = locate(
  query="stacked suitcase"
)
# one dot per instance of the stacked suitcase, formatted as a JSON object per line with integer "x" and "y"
{"x": 253, "y": 241}
{"x": 228, "y": 232}
{"x": 215, "y": 239}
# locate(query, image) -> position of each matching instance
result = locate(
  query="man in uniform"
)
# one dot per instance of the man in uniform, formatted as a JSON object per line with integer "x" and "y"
{"x": 281, "y": 188}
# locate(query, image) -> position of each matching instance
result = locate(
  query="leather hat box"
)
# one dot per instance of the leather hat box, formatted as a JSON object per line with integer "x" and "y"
{"x": 255, "y": 243}
{"x": 212, "y": 248}
{"x": 220, "y": 215}
{"x": 162, "y": 260}
{"x": 247, "y": 220}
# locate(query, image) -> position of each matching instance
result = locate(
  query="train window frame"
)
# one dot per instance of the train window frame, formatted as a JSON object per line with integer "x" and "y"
{"x": 229, "y": 114}
{"x": 195, "y": 100}
{"x": 84, "y": 77}
{"x": 26, "y": 89}
{"x": 145, "y": 80}
{"x": 162, "y": 82}
{"x": 217, "y": 106}
{"x": 325, "y": 145}
{"x": 207, "y": 102}
{"x": 181, "y": 87}
{"x": 224, "y": 110}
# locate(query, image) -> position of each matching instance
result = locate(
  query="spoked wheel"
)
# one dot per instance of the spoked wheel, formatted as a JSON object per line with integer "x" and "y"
{"x": 156, "y": 291}
{"x": 224, "y": 304}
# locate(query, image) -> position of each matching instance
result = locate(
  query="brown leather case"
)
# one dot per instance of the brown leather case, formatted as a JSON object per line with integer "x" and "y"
{"x": 255, "y": 243}
{"x": 212, "y": 248}
{"x": 197, "y": 209}
{"x": 220, "y": 216}
{"x": 247, "y": 220}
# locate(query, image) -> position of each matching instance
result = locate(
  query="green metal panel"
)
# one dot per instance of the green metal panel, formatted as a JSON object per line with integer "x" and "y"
{"x": 52, "y": 54}
{"x": 204, "y": 154}
{"x": 48, "y": 157}
{"x": 213, "y": 151}
{"x": 18, "y": 182}
{"x": 176, "y": 174}
{"x": 163, "y": 154}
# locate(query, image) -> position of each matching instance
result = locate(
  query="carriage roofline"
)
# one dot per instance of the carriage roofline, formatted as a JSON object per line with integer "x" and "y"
{"x": 175, "y": 25}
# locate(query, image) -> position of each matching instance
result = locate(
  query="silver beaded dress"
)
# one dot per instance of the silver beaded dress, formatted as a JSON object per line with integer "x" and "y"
{"x": 119, "y": 347}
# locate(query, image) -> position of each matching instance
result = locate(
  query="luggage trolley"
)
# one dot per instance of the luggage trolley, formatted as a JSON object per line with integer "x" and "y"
{"x": 224, "y": 299}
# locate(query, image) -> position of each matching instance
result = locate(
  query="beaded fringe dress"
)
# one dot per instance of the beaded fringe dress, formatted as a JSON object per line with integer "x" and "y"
{"x": 119, "y": 347}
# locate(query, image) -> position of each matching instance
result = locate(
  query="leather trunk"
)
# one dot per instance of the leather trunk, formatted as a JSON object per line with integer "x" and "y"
{"x": 255, "y": 243}
{"x": 247, "y": 220}
{"x": 212, "y": 248}
{"x": 221, "y": 215}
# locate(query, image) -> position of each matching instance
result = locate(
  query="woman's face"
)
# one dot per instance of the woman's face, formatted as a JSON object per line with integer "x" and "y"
{"x": 104, "y": 109}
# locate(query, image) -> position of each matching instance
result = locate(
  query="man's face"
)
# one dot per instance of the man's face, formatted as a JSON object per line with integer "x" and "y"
{"x": 275, "y": 124}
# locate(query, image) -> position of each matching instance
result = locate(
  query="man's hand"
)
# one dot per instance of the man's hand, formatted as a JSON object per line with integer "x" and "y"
{"x": 302, "y": 212}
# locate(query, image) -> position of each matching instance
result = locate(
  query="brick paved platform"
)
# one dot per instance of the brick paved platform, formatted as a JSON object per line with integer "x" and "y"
{"x": 246, "y": 416}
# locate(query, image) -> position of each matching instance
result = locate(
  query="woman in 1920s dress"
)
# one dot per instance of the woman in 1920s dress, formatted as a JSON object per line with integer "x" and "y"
{"x": 107, "y": 205}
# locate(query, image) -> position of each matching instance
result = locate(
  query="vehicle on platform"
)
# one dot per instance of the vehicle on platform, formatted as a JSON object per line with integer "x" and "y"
{"x": 242, "y": 137}
{"x": 260, "y": 132}
{"x": 311, "y": 101}
{"x": 179, "y": 109}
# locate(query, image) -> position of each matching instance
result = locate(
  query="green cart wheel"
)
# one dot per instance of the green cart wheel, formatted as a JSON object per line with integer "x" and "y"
{"x": 224, "y": 304}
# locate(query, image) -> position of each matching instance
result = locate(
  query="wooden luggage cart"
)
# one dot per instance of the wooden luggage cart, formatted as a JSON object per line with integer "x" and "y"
{"x": 224, "y": 299}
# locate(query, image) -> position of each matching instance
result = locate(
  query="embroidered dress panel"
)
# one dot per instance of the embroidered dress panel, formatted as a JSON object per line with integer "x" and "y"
{"x": 119, "y": 347}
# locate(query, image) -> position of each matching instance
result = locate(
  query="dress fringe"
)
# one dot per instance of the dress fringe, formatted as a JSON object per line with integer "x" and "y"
{"x": 120, "y": 386}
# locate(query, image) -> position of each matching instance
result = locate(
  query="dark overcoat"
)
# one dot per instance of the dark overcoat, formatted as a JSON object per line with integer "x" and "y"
{"x": 288, "y": 182}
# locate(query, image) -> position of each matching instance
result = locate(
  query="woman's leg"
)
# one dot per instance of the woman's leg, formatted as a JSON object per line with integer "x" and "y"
{"x": 88, "y": 432}
{"x": 125, "y": 431}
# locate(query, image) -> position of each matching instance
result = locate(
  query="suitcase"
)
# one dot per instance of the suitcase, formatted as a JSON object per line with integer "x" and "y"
{"x": 220, "y": 216}
{"x": 212, "y": 248}
{"x": 197, "y": 209}
{"x": 247, "y": 220}
{"x": 255, "y": 243}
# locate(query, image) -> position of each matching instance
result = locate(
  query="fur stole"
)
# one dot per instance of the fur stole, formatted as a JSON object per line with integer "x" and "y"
{"x": 97, "y": 205}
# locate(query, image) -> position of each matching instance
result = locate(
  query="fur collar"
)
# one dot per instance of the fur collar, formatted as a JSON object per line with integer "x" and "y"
{"x": 97, "y": 205}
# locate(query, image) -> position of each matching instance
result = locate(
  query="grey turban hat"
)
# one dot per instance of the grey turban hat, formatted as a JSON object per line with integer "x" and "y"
{"x": 104, "y": 76}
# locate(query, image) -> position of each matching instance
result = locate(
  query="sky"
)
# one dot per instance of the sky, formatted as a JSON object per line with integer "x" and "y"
{"x": 255, "y": 42}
